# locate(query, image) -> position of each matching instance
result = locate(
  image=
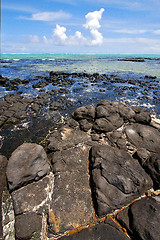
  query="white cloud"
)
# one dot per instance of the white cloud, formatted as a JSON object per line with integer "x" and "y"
{"x": 59, "y": 36}
{"x": 92, "y": 19}
{"x": 92, "y": 24}
{"x": 48, "y": 16}
{"x": 59, "y": 33}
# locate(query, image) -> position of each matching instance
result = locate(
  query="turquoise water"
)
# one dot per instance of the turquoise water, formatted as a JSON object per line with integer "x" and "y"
{"x": 75, "y": 56}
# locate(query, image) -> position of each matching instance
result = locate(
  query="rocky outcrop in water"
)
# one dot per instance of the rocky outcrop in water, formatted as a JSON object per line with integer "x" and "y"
{"x": 97, "y": 164}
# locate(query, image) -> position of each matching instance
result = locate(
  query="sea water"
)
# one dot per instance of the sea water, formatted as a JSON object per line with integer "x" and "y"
{"x": 28, "y": 65}
{"x": 127, "y": 67}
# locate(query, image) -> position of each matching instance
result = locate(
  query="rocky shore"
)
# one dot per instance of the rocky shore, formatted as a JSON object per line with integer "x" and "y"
{"x": 95, "y": 176}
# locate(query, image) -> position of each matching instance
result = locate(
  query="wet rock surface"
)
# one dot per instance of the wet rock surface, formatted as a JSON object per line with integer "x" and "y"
{"x": 101, "y": 160}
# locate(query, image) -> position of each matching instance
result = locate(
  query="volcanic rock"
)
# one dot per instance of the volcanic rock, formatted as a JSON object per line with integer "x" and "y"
{"x": 143, "y": 136}
{"x": 27, "y": 163}
{"x": 116, "y": 178}
{"x": 142, "y": 218}
{"x": 102, "y": 231}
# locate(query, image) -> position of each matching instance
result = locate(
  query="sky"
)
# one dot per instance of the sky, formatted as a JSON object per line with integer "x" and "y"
{"x": 80, "y": 26}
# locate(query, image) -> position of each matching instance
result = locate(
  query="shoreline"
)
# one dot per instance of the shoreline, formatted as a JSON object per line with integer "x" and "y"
{"x": 107, "y": 147}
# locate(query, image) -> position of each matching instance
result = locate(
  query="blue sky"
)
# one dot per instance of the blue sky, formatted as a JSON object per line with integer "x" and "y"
{"x": 80, "y": 26}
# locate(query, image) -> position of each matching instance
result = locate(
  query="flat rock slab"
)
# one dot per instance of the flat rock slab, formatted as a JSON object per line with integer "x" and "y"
{"x": 103, "y": 231}
{"x": 35, "y": 197}
{"x": 27, "y": 163}
{"x": 66, "y": 138}
{"x": 32, "y": 203}
{"x": 117, "y": 178}
{"x": 142, "y": 218}
{"x": 71, "y": 201}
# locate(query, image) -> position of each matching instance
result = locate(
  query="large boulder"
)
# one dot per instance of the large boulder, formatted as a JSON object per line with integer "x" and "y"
{"x": 107, "y": 116}
{"x": 116, "y": 177}
{"x": 87, "y": 112}
{"x": 27, "y": 163}
{"x": 141, "y": 115}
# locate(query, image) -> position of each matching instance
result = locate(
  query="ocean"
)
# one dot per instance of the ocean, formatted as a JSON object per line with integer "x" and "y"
{"x": 140, "y": 74}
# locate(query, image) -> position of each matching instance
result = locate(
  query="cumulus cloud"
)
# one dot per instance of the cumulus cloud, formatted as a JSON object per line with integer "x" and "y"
{"x": 60, "y": 37}
{"x": 92, "y": 19}
{"x": 92, "y": 24}
{"x": 59, "y": 33}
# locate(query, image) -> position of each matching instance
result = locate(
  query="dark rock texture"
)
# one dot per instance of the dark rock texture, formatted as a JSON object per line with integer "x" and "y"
{"x": 151, "y": 163}
{"x": 65, "y": 138}
{"x": 141, "y": 115}
{"x": 146, "y": 139}
{"x": 117, "y": 178}
{"x": 28, "y": 226}
{"x": 143, "y": 136}
{"x": 87, "y": 112}
{"x": 35, "y": 197}
{"x": 102, "y": 231}
{"x": 108, "y": 116}
{"x": 27, "y": 163}
{"x": 142, "y": 218}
